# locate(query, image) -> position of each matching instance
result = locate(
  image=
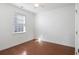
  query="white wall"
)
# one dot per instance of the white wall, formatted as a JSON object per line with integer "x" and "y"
{"x": 7, "y": 37}
{"x": 57, "y": 26}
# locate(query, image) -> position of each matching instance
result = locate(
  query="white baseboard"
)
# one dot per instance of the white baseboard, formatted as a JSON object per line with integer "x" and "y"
{"x": 14, "y": 45}
{"x": 59, "y": 43}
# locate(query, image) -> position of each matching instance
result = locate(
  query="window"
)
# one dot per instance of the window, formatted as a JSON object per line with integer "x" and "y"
{"x": 19, "y": 23}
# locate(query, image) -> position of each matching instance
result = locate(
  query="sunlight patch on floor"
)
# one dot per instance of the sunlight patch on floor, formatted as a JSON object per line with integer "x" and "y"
{"x": 24, "y": 53}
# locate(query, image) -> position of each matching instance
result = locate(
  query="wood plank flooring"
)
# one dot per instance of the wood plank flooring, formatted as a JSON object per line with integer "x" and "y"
{"x": 38, "y": 48}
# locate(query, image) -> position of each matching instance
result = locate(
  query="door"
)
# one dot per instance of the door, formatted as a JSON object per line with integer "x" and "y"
{"x": 77, "y": 29}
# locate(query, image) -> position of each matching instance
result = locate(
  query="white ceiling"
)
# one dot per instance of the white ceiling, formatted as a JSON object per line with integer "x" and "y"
{"x": 43, "y": 6}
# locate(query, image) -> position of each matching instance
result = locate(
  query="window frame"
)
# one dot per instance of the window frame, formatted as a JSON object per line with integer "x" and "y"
{"x": 15, "y": 19}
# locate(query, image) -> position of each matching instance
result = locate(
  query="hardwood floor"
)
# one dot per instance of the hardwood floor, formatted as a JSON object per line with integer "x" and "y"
{"x": 39, "y": 48}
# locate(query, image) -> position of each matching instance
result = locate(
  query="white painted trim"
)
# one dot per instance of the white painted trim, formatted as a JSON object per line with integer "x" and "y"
{"x": 15, "y": 44}
{"x": 58, "y": 43}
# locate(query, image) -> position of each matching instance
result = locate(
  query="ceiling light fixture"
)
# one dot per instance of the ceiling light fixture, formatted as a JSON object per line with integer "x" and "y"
{"x": 36, "y": 5}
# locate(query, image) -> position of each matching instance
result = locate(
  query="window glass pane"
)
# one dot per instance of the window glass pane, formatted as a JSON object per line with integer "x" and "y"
{"x": 19, "y": 23}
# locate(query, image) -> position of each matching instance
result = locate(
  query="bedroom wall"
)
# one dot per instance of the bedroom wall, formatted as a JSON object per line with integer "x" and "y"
{"x": 57, "y": 26}
{"x": 7, "y": 37}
